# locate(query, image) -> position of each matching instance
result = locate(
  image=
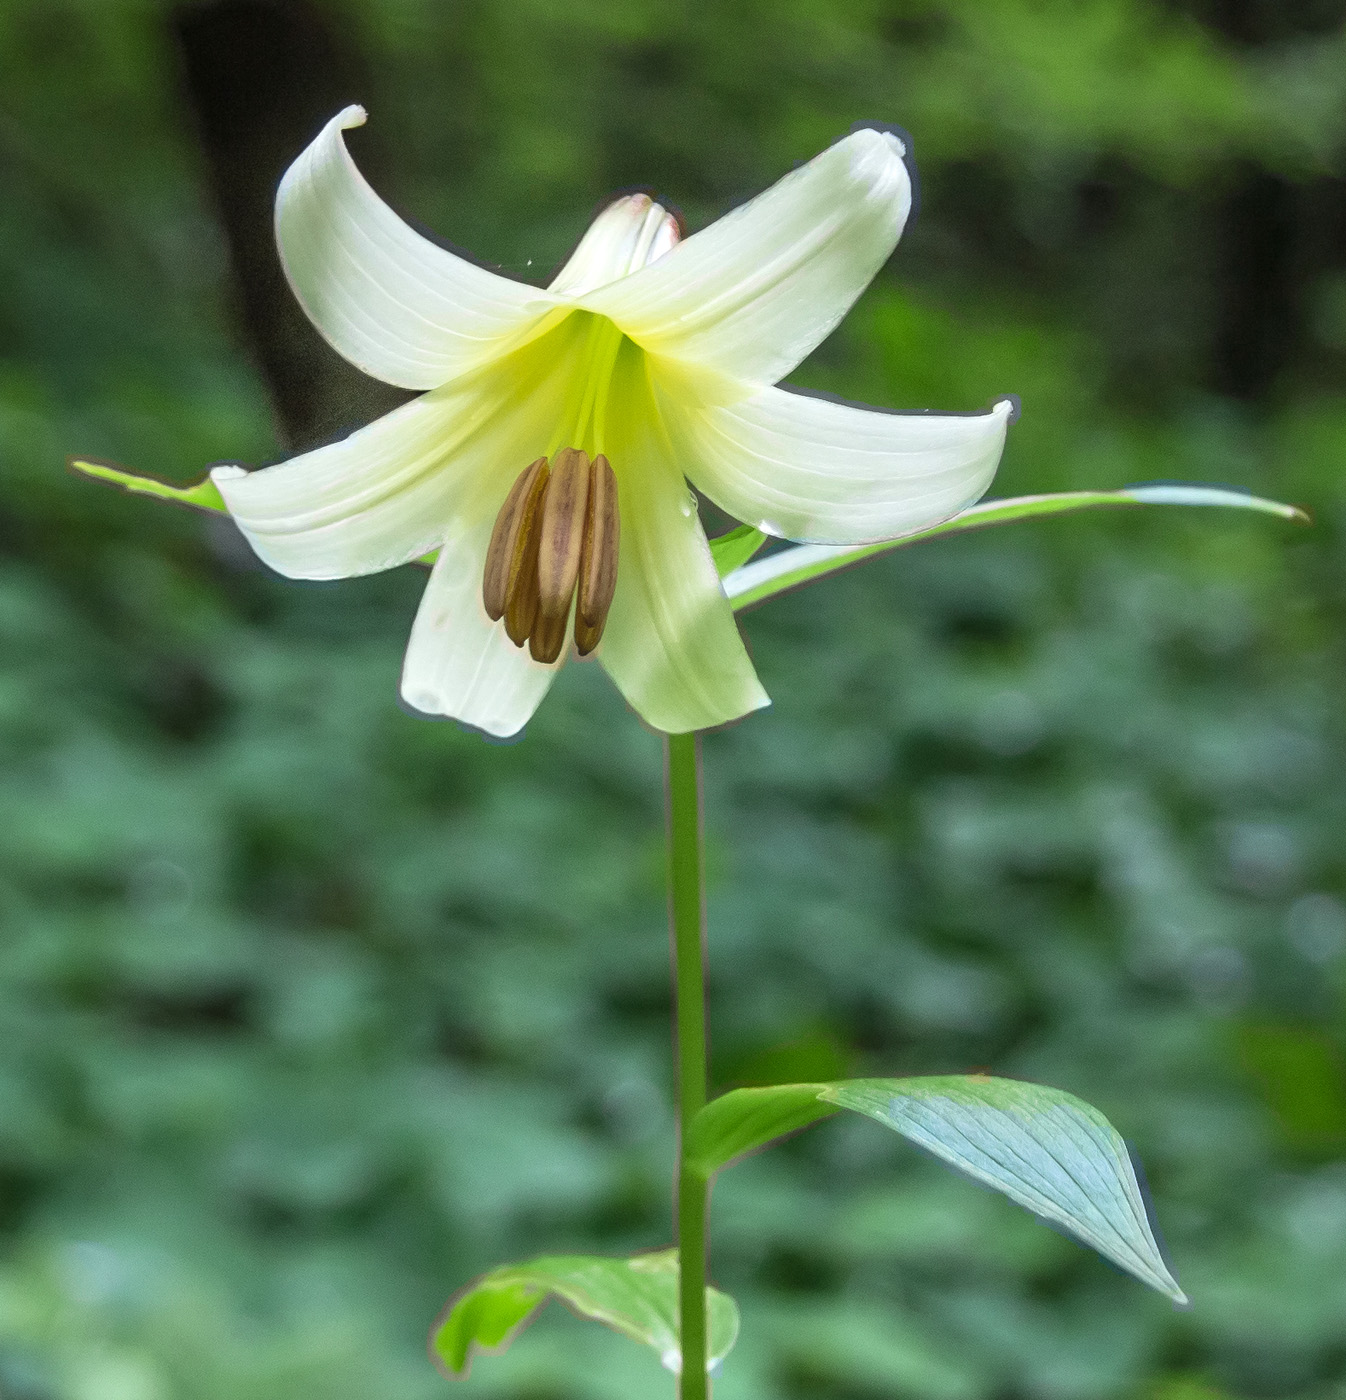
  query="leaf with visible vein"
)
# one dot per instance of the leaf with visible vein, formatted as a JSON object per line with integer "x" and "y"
{"x": 1041, "y": 1147}
{"x": 637, "y": 1297}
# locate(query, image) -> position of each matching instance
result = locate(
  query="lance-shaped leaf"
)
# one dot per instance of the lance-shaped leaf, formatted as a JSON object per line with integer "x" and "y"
{"x": 203, "y": 496}
{"x": 637, "y": 1297}
{"x": 789, "y": 568}
{"x": 1042, "y": 1147}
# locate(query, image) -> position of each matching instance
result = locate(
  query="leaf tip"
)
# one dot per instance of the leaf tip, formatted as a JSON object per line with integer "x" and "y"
{"x": 204, "y": 495}
{"x": 98, "y": 470}
{"x": 1164, "y": 1282}
{"x": 1177, "y": 493}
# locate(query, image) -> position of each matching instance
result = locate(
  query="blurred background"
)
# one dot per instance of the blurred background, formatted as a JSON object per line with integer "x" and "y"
{"x": 310, "y": 1011}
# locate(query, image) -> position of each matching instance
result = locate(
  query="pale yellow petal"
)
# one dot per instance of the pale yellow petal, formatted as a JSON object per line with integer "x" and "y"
{"x": 812, "y": 468}
{"x": 629, "y": 234}
{"x": 390, "y": 492}
{"x": 396, "y": 305}
{"x": 671, "y": 645}
{"x": 751, "y": 295}
{"x": 459, "y": 663}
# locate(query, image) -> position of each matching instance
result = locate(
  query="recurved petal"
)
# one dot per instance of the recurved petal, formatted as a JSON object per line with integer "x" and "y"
{"x": 458, "y": 662}
{"x": 386, "y": 494}
{"x": 355, "y": 507}
{"x": 393, "y": 303}
{"x": 671, "y": 644}
{"x": 751, "y": 295}
{"x": 816, "y": 469}
{"x": 629, "y": 234}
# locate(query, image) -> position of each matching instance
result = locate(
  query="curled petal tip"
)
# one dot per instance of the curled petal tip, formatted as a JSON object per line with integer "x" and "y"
{"x": 874, "y": 150}
{"x": 751, "y": 295}
{"x": 874, "y": 136}
{"x": 392, "y": 302}
{"x": 227, "y": 471}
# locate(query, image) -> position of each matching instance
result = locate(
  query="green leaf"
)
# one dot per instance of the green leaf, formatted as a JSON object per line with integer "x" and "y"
{"x": 755, "y": 583}
{"x": 732, "y": 550}
{"x": 204, "y": 495}
{"x": 1043, "y": 1148}
{"x": 637, "y": 1297}
{"x": 743, "y": 1120}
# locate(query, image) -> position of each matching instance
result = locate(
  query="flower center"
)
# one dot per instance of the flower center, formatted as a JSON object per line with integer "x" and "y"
{"x": 554, "y": 544}
{"x": 583, "y": 427}
{"x": 555, "y": 539}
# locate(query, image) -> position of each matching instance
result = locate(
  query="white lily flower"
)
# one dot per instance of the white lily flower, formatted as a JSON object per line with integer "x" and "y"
{"x": 654, "y": 354}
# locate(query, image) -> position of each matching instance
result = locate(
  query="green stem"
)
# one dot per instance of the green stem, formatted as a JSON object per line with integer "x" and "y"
{"x": 687, "y": 913}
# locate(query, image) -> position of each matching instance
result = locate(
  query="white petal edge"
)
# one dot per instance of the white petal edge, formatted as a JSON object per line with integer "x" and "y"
{"x": 391, "y": 491}
{"x": 629, "y": 234}
{"x": 671, "y": 646}
{"x": 396, "y": 305}
{"x": 815, "y": 469}
{"x": 752, "y": 294}
{"x": 460, "y": 664}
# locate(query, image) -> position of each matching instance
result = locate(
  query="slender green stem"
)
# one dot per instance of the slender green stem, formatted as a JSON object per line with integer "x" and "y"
{"x": 687, "y": 914}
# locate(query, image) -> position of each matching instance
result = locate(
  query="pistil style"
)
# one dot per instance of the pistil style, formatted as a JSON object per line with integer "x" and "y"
{"x": 556, "y": 536}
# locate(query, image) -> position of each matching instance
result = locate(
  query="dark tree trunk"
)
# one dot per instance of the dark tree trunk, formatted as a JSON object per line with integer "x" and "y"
{"x": 262, "y": 76}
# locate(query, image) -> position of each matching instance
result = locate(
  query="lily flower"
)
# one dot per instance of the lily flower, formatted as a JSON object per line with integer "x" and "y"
{"x": 548, "y": 460}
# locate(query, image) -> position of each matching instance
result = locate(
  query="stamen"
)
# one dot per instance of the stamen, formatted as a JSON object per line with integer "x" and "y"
{"x": 598, "y": 561}
{"x": 510, "y": 540}
{"x": 548, "y": 637}
{"x": 521, "y": 612}
{"x": 521, "y": 603}
{"x": 555, "y": 544}
{"x": 560, "y": 546}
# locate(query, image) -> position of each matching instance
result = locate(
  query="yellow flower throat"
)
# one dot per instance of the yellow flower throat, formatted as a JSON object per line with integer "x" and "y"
{"x": 555, "y": 540}
{"x": 584, "y": 427}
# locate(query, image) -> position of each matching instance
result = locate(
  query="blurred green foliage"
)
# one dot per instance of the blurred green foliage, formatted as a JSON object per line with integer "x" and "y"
{"x": 310, "y": 1011}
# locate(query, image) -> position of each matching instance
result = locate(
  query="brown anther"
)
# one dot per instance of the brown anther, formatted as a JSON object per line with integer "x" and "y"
{"x": 559, "y": 550}
{"x": 521, "y": 604}
{"x": 598, "y": 559}
{"x": 513, "y": 548}
{"x": 521, "y": 613}
{"x": 555, "y": 544}
{"x": 548, "y": 636}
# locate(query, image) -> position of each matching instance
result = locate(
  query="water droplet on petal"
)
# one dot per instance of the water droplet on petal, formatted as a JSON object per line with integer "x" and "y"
{"x": 688, "y": 505}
